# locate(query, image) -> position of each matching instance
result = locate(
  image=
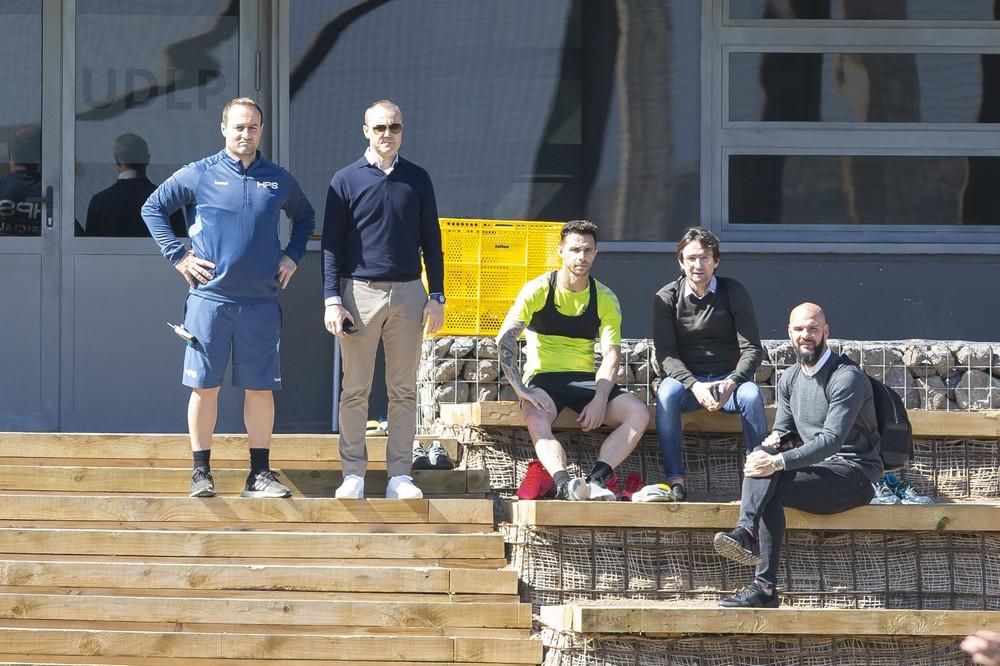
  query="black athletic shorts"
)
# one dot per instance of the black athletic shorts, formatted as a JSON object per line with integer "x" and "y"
{"x": 571, "y": 389}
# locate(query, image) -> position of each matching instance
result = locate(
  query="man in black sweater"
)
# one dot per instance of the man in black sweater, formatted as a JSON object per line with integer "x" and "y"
{"x": 708, "y": 349}
{"x": 827, "y": 405}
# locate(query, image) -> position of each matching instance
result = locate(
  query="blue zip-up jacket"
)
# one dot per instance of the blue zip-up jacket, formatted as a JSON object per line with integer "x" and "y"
{"x": 235, "y": 223}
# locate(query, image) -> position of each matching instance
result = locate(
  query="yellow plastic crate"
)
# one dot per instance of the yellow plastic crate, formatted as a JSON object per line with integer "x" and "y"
{"x": 486, "y": 262}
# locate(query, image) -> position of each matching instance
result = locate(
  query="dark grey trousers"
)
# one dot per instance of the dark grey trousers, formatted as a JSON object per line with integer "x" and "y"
{"x": 828, "y": 487}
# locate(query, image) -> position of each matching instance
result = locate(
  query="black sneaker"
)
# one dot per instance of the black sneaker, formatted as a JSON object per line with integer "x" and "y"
{"x": 680, "y": 492}
{"x": 752, "y": 596}
{"x": 265, "y": 484}
{"x": 202, "y": 484}
{"x": 738, "y": 545}
{"x": 420, "y": 458}
{"x": 439, "y": 457}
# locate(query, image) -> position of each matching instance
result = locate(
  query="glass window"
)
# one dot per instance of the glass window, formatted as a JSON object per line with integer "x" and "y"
{"x": 865, "y": 87}
{"x": 518, "y": 109}
{"x": 20, "y": 118}
{"x": 147, "y": 101}
{"x": 869, "y": 190}
{"x": 921, "y": 10}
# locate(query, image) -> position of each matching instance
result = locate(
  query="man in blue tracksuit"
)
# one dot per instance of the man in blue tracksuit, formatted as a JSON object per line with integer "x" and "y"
{"x": 232, "y": 202}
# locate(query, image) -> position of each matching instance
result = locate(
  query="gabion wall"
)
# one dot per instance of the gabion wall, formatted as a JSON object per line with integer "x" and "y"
{"x": 927, "y": 374}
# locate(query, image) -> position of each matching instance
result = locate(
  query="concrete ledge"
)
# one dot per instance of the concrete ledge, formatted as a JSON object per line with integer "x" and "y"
{"x": 659, "y": 618}
{"x": 983, "y": 425}
{"x": 698, "y": 515}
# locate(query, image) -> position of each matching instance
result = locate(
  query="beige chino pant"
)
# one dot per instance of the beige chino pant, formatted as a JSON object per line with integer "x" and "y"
{"x": 393, "y": 313}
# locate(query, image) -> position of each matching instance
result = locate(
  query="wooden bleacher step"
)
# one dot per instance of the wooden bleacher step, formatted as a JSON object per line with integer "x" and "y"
{"x": 104, "y": 561}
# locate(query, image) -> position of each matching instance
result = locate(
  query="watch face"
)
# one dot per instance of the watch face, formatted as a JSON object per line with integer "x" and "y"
{"x": 439, "y": 298}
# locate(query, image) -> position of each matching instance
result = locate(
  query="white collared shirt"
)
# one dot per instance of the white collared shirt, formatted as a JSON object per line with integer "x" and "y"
{"x": 688, "y": 291}
{"x": 128, "y": 174}
{"x": 374, "y": 160}
{"x": 819, "y": 364}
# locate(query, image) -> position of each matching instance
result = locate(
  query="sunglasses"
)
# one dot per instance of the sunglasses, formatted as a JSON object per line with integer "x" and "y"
{"x": 395, "y": 128}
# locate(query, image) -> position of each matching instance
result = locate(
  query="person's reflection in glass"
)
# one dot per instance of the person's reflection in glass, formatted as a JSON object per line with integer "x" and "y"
{"x": 19, "y": 215}
{"x": 115, "y": 211}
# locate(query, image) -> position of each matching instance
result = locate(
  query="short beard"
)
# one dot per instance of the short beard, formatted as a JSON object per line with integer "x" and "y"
{"x": 809, "y": 358}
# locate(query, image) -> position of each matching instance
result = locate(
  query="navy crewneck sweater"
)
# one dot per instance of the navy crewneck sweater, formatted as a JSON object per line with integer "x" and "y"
{"x": 376, "y": 226}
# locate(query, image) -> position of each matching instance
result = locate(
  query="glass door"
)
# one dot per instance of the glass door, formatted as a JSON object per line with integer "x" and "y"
{"x": 29, "y": 238}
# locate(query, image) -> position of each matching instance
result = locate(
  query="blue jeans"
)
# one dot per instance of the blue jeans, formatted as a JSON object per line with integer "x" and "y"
{"x": 672, "y": 399}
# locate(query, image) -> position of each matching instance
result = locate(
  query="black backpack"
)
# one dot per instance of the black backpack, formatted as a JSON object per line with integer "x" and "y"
{"x": 894, "y": 426}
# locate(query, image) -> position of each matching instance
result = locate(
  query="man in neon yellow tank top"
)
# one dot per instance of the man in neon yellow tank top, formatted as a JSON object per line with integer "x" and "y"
{"x": 561, "y": 314}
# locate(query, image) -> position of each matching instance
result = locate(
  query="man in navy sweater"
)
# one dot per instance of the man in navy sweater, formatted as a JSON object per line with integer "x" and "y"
{"x": 233, "y": 200}
{"x": 381, "y": 218}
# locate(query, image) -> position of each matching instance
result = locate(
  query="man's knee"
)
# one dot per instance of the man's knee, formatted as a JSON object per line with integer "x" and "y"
{"x": 206, "y": 393}
{"x": 669, "y": 393}
{"x": 748, "y": 393}
{"x": 636, "y": 414}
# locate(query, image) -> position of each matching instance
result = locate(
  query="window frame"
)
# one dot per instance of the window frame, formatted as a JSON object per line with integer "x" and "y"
{"x": 722, "y": 137}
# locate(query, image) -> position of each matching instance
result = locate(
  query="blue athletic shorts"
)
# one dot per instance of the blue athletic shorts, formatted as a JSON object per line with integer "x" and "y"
{"x": 249, "y": 332}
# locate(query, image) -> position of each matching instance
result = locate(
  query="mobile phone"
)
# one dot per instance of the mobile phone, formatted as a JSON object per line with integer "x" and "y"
{"x": 183, "y": 333}
{"x": 349, "y": 328}
{"x": 788, "y": 437}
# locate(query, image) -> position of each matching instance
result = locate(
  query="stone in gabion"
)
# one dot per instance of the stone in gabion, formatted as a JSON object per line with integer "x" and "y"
{"x": 936, "y": 355}
{"x": 623, "y": 375}
{"x": 480, "y": 371}
{"x": 487, "y": 348}
{"x": 873, "y": 356}
{"x": 976, "y": 356}
{"x": 488, "y": 393}
{"x": 899, "y": 380}
{"x": 507, "y": 393}
{"x": 782, "y": 354}
{"x": 643, "y": 373}
{"x": 768, "y": 395}
{"x": 933, "y": 393}
{"x": 763, "y": 374}
{"x": 461, "y": 347}
{"x": 441, "y": 346}
{"x": 452, "y": 392}
{"x": 643, "y": 350}
{"x": 446, "y": 370}
{"x": 978, "y": 390}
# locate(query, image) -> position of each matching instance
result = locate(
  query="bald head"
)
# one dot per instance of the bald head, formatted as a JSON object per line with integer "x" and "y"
{"x": 808, "y": 331}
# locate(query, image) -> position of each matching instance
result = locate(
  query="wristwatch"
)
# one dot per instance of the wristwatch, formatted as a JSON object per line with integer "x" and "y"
{"x": 437, "y": 297}
{"x": 778, "y": 462}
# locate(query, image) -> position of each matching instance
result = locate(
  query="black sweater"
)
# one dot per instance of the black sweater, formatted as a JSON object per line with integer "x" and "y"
{"x": 710, "y": 336}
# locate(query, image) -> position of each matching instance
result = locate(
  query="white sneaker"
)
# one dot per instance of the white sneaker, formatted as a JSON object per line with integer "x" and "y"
{"x": 401, "y": 487}
{"x": 353, "y": 487}
{"x": 599, "y": 492}
{"x": 656, "y": 492}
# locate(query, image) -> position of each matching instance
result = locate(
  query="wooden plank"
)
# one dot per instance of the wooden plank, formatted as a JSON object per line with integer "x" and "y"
{"x": 475, "y": 581}
{"x": 175, "y": 480}
{"x": 231, "y": 510}
{"x": 680, "y": 515}
{"x": 301, "y": 447}
{"x": 652, "y": 618}
{"x": 293, "y": 612}
{"x": 352, "y": 649}
{"x": 305, "y": 577}
{"x": 930, "y": 424}
{"x": 305, "y": 545}
{"x": 56, "y": 660}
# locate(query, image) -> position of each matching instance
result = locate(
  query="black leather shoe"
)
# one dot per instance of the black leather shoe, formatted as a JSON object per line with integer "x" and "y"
{"x": 420, "y": 458}
{"x": 752, "y": 596}
{"x": 738, "y": 545}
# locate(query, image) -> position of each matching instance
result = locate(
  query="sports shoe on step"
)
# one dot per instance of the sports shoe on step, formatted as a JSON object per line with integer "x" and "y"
{"x": 353, "y": 487}
{"x": 752, "y": 596}
{"x": 537, "y": 483}
{"x": 657, "y": 492}
{"x": 907, "y": 495}
{"x": 884, "y": 494}
{"x": 600, "y": 492}
{"x": 575, "y": 490}
{"x": 738, "y": 545}
{"x": 420, "y": 458}
{"x": 265, "y": 484}
{"x": 401, "y": 487}
{"x": 680, "y": 492}
{"x": 202, "y": 484}
{"x": 439, "y": 457}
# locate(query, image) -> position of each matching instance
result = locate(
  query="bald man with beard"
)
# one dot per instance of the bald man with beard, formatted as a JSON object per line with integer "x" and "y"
{"x": 825, "y": 406}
